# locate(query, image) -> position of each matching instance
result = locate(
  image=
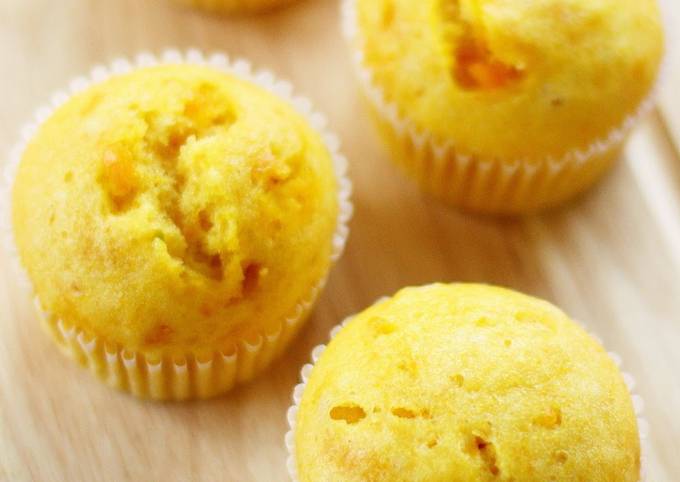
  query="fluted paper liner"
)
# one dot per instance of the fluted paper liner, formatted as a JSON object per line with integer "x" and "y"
{"x": 503, "y": 186}
{"x": 191, "y": 375}
{"x": 235, "y": 6}
{"x": 306, "y": 371}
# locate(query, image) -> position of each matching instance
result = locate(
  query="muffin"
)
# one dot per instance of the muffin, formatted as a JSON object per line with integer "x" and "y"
{"x": 500, "y": 106}
{"x": 463, "y": 382}
{"x": 235, "y": 6}
{"x": 177, "y": 223}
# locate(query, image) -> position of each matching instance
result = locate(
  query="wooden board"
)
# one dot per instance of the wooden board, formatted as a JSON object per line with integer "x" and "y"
{"x": 612, "y": 259}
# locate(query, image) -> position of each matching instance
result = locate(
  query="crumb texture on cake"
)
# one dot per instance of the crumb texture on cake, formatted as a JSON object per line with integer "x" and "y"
{"x": 175, "y": 207}
{"x": 465, "y": 382}
{"x": 485, "y": 75}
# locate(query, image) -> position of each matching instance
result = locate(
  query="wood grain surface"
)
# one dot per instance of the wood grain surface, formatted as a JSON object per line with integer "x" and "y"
{"x": 611, "y": 259}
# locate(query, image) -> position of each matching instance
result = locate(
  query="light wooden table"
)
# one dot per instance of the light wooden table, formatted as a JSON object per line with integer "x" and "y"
{"x": 612, "y": 259}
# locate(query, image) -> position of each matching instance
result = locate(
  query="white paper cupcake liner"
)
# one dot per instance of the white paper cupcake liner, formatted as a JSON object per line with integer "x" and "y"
{"x": 189, "y": 376}
{"x": 306, "y": 371}
{"x": 504, "y": 186}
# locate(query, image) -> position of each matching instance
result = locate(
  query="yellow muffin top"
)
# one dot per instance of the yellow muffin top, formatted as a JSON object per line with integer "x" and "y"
{"x": 513, "y": 79}
{"x": 176, "y": 207}
{"x": 465, "y": 383}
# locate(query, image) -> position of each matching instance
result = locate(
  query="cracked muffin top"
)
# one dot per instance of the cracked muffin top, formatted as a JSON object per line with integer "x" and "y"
{"x": 175, "y": 207}
{"x": 465, "y": 383}
{"x": 486, "y": 75}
